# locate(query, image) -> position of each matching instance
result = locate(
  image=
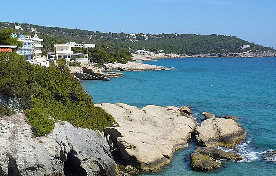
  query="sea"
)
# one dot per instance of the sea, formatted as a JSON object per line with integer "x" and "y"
{"x": 243, "y": 87}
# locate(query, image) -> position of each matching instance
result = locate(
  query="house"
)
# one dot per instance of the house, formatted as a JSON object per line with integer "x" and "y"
{"x": 7, "y": 48}
{"x": 31, "y": 47}
{"x": 65, "y": 51}
{"x": 37, "y": 46}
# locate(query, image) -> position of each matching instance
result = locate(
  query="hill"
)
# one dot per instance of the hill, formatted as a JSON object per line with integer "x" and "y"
{"x": 190, "y": 44}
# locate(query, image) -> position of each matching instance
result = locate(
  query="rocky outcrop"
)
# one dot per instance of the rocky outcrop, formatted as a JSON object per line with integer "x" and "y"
{"x": 185, "y": 111}
{"x": 220, "y": 132}
{"x": 229, "y": 117}
{"x": 206, "y": 158}
{"x": 147, "y": 137}
{"x": 208, "y": 115}
{"x": 65, "y": 151}
{"x": 132, "y": 66}
{"x": 114, "y": 75}
{"x": 88, "y": 73}
{"x": 270, "y": 155}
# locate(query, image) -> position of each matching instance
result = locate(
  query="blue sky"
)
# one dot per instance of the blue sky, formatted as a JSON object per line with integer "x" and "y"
{"x": 252, "y": 20}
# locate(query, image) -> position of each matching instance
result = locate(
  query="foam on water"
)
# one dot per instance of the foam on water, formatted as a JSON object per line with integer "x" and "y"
{"x": 246, "y": 151}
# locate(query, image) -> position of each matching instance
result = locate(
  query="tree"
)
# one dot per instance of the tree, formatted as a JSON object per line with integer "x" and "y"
{"x": 7, "y": 39}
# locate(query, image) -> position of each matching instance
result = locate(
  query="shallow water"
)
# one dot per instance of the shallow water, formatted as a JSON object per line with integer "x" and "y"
{"x": 245, "y": 87}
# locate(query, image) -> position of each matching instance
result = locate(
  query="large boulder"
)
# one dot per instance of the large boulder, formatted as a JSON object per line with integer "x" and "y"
{"x": 207, "y": 158}
{"x": 147, "y": 137}
{"x": 65, "y": 151}
{"x": 220, "y": 132}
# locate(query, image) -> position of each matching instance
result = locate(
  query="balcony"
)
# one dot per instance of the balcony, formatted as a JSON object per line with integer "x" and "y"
{"x": 38, "y": 45}
{"x": 37, "y": 52}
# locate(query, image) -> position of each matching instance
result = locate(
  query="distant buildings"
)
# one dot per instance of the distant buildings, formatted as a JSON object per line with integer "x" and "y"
{"x": 245, "y": 46}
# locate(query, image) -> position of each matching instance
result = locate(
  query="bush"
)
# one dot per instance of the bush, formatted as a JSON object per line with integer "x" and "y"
{"x": 49, "y": 94}
{"x": 4, "y": 110}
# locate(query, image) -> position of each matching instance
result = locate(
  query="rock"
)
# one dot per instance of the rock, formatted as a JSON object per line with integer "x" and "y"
{"x": 270, "y": 155}
{"x": 66, "y": 150}
{"x": 220, "y": 132}
{"x": 206, "y": 158}
{"x": 132, "y": 66}
{"x": 185, "y": 111}
{"x": 147, "y": 137}
{"x": 203, "y": 162}
{"x": 230, "y": 117}
{"x": 114, "y": 75}
{"x": 88, "y": 73}
{"x": 208, "y": 115}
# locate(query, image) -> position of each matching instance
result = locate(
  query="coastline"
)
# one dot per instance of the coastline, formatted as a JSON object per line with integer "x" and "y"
{"x": 153, "y": 56}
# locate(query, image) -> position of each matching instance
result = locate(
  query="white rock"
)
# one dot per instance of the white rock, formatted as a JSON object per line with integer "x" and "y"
{"x": 148, "y": 137}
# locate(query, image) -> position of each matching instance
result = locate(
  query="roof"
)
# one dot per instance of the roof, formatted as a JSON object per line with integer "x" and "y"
{"x": 8, "y": 46}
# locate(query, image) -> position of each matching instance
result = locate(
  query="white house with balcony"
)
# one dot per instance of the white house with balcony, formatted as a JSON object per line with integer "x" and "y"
{"x": 65, "y": 51}
{"x": 31, "y": 47}
{"x": 37, "y": 46}
{"x": 27, "y": 49}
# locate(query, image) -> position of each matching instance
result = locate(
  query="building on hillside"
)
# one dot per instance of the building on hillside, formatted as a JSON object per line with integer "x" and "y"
{"x": 7, "y": 48}
{"x": 27, "y": 47}
{"x": 65, "y": 51}
{"x": 31, "y": 47}
{"x": 37, "y": 46}
{"x": 142, "y": 52}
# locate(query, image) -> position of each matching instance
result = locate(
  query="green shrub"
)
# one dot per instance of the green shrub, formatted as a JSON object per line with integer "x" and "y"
{"x": 4, "y": 110}
{"x": 49, "y": 94}
{"x": 75, "y": 64}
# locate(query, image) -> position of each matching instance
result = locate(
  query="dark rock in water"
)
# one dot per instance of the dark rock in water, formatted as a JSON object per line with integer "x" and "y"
{"x": 203, "y": 162}
{"x": 229, "y": 117}
{"x": 270, "y": 155}
{"x": 205, "y": 158}
{"x": 208, "y": 115}
{"x": 220, "y": 132}
{"x": 114, "y": 75}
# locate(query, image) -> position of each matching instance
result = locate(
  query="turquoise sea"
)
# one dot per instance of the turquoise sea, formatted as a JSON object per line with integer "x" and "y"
{"x": 245, "y": 87}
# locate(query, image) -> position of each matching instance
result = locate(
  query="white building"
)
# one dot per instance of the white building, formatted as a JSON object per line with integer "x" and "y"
{"x": 65, "y": 51}
{"x": 31, "y": 47}
{"x": 37, "y": 46}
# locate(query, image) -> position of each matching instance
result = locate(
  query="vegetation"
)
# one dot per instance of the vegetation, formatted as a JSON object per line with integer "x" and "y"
{"x": 4, "y": 110}
{"x": 48, "y": 94}
{"x": 104, "y": 54}
{"x": 6, "y": 39}
{"x": 121, "y": 42}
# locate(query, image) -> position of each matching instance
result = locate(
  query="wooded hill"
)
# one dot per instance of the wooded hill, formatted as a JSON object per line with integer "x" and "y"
{"x": 169, "y": 43}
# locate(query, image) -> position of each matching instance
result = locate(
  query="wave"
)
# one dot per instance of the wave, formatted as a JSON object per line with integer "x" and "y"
{"x": 246, "y": 151}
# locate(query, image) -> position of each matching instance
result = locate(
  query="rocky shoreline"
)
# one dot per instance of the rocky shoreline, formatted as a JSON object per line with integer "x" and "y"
{"x": 132, "y": 66}
{"x": 110, "y": 70}
{"x": 147, "y": 138}
{"x": 65, "y": 151}
{"x": 152, "y": 55}
{"x": 142, "y": 140}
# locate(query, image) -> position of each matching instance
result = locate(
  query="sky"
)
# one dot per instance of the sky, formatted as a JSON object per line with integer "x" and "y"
{"x": 251, "y": 20}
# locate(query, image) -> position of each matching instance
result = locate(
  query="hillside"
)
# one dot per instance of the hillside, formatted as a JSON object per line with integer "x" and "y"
{"x": 190, "y": 44}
